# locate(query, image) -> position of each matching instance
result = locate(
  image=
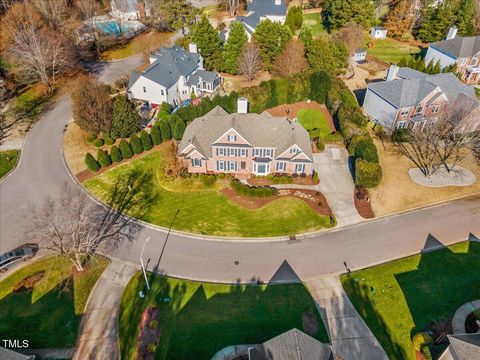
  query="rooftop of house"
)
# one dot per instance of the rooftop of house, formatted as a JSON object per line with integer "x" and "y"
{"x": 459, "y": 46}
{"x": 413, "y": 86}
{"x": 261, "y": 8}
{"x": 259, "y": 130}
{"x": 293, "y": 345}
{"x": 465, "y": 346}
{"x": 204, "y": 75}
{"x": 379, "y": 27}
{"x": 169, "y": 65}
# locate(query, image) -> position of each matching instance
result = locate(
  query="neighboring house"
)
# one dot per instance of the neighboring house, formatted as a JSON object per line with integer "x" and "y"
{"x": 129, "y": 9}
{"x": 378, "y": 32}
{"x": 246, "y": 143}
{"x": 359, "y": 56}
{"x": 411, "y": 99}
{"x": 173, "y": 75}
{"x": 257, "y": 11}
{"x": 464, "y": 52}
{"x": 462, "y": 347}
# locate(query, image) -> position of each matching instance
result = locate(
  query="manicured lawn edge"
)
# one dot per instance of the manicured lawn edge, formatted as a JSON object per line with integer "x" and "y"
{"x": 3, "y": 175}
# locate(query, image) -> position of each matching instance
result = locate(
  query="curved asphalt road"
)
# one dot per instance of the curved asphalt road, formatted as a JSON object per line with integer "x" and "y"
{"x": 42, "y": 172}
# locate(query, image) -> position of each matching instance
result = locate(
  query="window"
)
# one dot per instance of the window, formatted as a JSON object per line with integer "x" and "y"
{"x": 419, "y": 109}
{"x": 243, "y": 152}
{"x": 220, "y": 165}
{"x": 197, "y": 162}
{"x": 243, "y": 165}
{"x": 162, "y": 92}
{"x": 144, "y": 89}
{"x": 435, "y": 109}
{"x": 268, "y": 152}
{"x": 293, "y": 150}
{"x": 405, "y": 112}
{"x": 256, "y": 152}
{"x": 463, "y": 61}
{"x": 232, "y": 166}
{"x": 401, "y": 125}
{"x": 300, "y": 168}
{"x": 232, "y": 152}
{"x": 232, "y": 138}
{"x": 281, "y": 166}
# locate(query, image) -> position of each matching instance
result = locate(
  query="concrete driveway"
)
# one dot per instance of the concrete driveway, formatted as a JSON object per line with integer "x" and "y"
{"x": 336, "y": 183}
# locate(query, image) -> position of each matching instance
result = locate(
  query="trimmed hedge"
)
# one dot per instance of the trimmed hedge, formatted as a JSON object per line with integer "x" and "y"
{"x": 146, "y": 139}
{"x": 136, "y": 144}
{"x": 103, "y": 158}
{"x": 125, "y": 149}
{"x": 116, "y": 154}
{"x": 367, "y": 174}
{"x": 259, "y": 191}
{"x": 91, "y": 163}
{"x": 156, "y": 135}
{"x": 97, "y": 142}
{"x": 91, "y": 138}
{"x": 108, "y": 140}
{"x": 165, "y": 130}
{"x": 208, "y": 180}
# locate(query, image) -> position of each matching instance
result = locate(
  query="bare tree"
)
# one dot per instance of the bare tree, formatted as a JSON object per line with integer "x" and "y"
{"x": 232, "y": 6}
{"x": 53, "y": 11}
{"x": 292, "y": 59}
{"x": 75, "y": 227}
{"x": 250, "y": 61}
{"x": 352, "y": 35}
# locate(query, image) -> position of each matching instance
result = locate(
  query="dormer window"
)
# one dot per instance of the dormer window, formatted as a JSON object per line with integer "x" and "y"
{"x": 419, "y": 109}
{"x": 293, "y": 150}
{"x": 232, "y": 138}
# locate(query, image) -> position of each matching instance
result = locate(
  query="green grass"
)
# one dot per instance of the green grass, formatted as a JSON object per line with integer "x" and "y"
{"x": 314, "y": 20}
{"x": 203, "y": 318}
{"x": 50, "y": 314}
{"x": 316, "y": 124}
{"x": 477, "y": 91}
{"x": 205, "y": 210}
{"x": 143, "y": 43}
{"x": 390, "y": 50}
{"x": 8, "y": 160}
{"x": 402, "y": 297}
{"x": 30, "y": 101}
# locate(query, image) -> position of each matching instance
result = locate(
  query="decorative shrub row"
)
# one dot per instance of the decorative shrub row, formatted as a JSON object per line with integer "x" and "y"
{"x": 261, "y": 191}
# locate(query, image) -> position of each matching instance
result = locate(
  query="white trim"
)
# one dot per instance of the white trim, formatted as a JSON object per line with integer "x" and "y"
{"x": 236, "y": 132}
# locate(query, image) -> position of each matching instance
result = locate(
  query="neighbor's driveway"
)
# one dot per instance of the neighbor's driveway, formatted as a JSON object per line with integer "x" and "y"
{"x": 336, "y": 183}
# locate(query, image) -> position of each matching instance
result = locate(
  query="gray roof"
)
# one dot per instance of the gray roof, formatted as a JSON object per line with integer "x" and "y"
{"x": 465, "y": 346}
{"x": 202, "y": 75}
{"x": 7, "y": 354}
{"x": 169, "y": 65}
{"x": 258, "y": 8}
{"x": 260, "y": 130}
{"x": 459, "y": 47}
{"x": 409, "y": 73}
{"x": 410, "y": 92}
{"x": 360, "y": 51}
{"x": 292, "y": 345}
{"x": 379, "y": 28}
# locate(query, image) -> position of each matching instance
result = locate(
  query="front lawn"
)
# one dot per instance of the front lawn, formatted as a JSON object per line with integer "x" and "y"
{"x": 315, "y": 123}
{"x": 8, "y": 160}
{"x": 390, "y": 50}
{"x": 205, "y": 209}
{"x": 314, "y": 21}
{"x": 49, "y": 315}
{"x": 401, "y": 298}
{"x": 143, "y": 43}
{"x": 477, "y": 91}
{"x": 199, "y": 319}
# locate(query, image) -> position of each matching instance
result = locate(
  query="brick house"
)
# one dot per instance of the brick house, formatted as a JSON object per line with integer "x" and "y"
{"x": 246, "y": 143}
{"x": 412, "y": 99}
{"x": 464, "y": 52}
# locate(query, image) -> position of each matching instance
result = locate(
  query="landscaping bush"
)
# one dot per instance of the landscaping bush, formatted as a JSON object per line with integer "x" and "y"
{"x": 108, "y": 140}
{"x": 29, "y": 282}
{"x": 400, "y": 135}
{"x": 364, "y": 148}
{"x": 152, "y": 347}
{"x": 165, "y": 130}
{"x": 420, "y": 340}
{"x": 367, "y": 174}
{"x": 103, "y": 158}
{"x": 136, "y": 144}
{"x": 426, "y": 353}
{"x": 91, "y": 163}
{"x": 91, "y": 138}
{"x": 126, "y": 119}
{"x": 320, "y": 84}
{"x": 259, "y": 191}
{"x": 156, "y": 135}
{"x": 125, "y": 149}
{"x": 178, "y": 129}
{"x": 97, "y": 142}
{"x": 146, "y": 139}
{"x": 208, "y": 180}
{"x": 116, "y": 154}
{"x": 320, "y": 144}
{"x": 153, "y": 324}
{"x": 315, "y": 176}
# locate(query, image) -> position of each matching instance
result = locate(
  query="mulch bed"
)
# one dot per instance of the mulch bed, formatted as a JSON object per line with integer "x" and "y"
{"x": 291, "y": 110}
{"x": 296, "y": 180}
{"x": 312, "y": 198}
{"x": 362, "y": 203}
{"x": 148, "y": 335}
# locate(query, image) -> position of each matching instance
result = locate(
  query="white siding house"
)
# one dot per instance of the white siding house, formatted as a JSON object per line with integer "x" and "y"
{"x": 379, "y": 110}
{"x": 378, "y": 32}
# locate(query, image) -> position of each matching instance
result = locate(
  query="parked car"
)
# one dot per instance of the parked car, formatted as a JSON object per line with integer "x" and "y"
{"x": 17, "y": 255}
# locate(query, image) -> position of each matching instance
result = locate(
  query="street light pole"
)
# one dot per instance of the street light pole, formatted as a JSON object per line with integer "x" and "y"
{"x": 141, "y": 262}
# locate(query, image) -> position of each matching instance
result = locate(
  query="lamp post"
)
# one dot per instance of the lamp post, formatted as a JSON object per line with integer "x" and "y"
{"x": 141, "y": 262}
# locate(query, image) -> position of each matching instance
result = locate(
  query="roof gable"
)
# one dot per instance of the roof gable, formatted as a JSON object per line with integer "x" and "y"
{"x": 459, "y": 46}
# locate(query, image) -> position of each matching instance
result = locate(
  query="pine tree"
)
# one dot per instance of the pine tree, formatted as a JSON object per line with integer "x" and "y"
{"x": 306, "y": 36}
{"x": 136, "y": 144}
{"x": 156, "y": 134}
{"x": 146, "y": 139}
{"x": 115, "y": 154}
{"x": 271, "y": 38}
{"x": 466, "y": 18}
{"x": 126, "y": 119}
{"x": 327, "y": 55}
{"x": 91, "y": 163}
{"x": 165, "y": 130}
{"x": 436, "y": 22}
{"x": 208, "y": 42}
{"x": 294, "y": 18}
{"x": 125, "y": 149}
{"x": 237, "y": 38}
{"x": 338, "y": 13}
{"x": 399, "y": 21}
{"x": 179, "y": 129}
{"x": 103, "y": 158}
{"x": 437, "y": 69}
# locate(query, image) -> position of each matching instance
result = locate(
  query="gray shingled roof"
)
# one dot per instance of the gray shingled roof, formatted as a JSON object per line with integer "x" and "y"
{"x": 410, "y": 92}
{"x": 409, "y": 73}
{"x": 170, "y": 64}
{"x": 259, "y": 8}
{"x": 465, "y": 346}
{"x": 208, "y": 76}
{"x": 459, "y": 46}
{"x": 260, "y": 130}
{"x": 292, "y": 345}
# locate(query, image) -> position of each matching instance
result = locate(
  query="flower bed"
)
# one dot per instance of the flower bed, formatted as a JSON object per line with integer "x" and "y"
{"x": 149, "y": 334}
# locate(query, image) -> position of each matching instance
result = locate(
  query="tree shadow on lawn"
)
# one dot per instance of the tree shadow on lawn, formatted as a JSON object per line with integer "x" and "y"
{"x": 41, "y": 320}
{"x": 197, "y": 319}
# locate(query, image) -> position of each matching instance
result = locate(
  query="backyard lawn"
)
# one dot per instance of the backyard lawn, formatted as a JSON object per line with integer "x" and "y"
{"x": 202, "y": 318}
{"x": 315, "y": 123}
{"x": 477, "y": 91}
{"x": 390, "y": 50}
{"x": 205, "y": 209}
{"x": 401, "y": 298}
{"x": 53, "y": 307}
{"x": 8, "y": 160}
{"x": 314, "y": 20}
{"x": 142, "y": 43}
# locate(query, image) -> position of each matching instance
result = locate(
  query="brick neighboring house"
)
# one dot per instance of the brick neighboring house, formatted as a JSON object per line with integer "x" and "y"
{"x": 462, "y": 51}
{"x": 246, "y": 143}
{"x": 411, "y": 99}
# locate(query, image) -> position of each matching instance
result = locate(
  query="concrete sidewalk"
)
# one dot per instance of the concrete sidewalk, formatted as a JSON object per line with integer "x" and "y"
{"x": 349, "y": 335}
{"x": 98, "y": 334}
